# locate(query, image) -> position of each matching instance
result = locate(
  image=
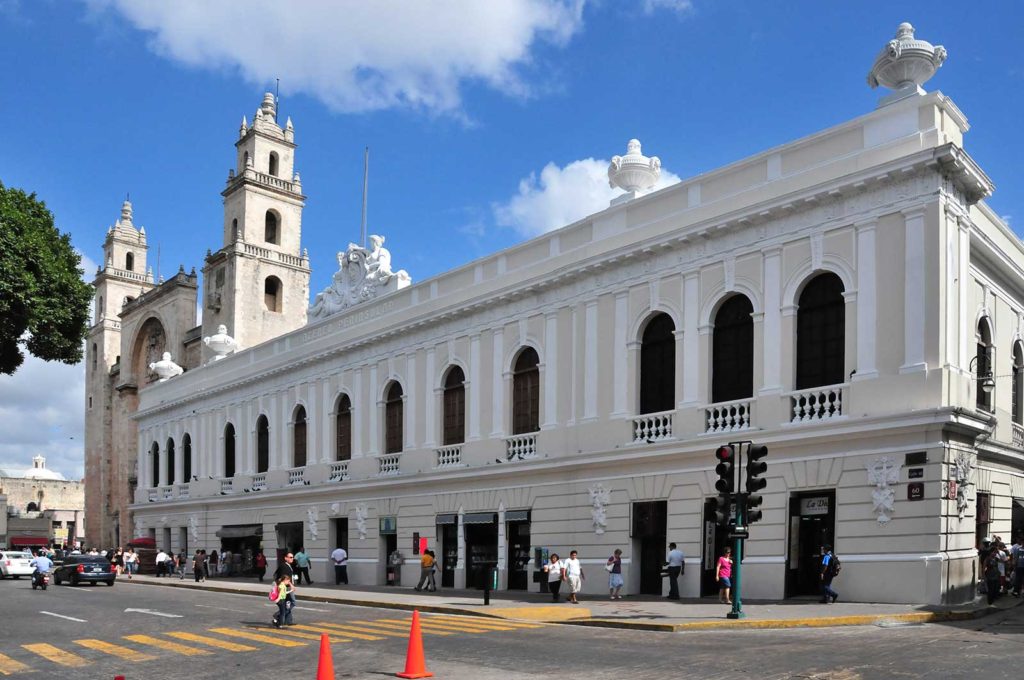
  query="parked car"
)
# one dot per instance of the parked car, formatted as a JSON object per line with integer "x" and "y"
{"x": 15, "y": 563}
{"x": 84, "y": 569}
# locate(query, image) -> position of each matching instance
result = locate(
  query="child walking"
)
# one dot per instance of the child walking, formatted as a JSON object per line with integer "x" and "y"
{"x": 283, "y": 617}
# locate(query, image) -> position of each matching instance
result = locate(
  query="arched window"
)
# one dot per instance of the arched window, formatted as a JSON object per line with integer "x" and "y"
{"x": 454, "y": 407}
{"x": 186, "y": 459}
{"x": 526, "y": 392}
{"x": 393, "y": 417}
{"x": 154, "y": 464}
{"x": 32, "y": 507}
{"x": 732, "y": 351}
{"x": 1017, "y": 409}
{"x": 299, "y": 438}
{"x": 262, "y": 444}
{"x": 343, "y": 429}
{"x": 99, "y": 310}
{"x": 270, "y": 230}
{"x": 245, "y": 160}
{"x": 272, "y": 165}
{"x": 821, "y": 333}
{"x": 170, "y": 461}
{"x": 983, "y": 370}
{"x": 129, "y": 262}
{"x": 658, "y": 365}
{"x": 234, "y": 227}
{"x": 94, "y": 356}
{"x": 229, "y": 450}
{"x": 272, "y": 294}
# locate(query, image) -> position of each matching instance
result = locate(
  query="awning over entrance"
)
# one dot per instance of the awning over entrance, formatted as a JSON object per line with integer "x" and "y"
{"x": 29, "y": 540}
{"x": 240, "y": 531}
{"x": 517, "y": 515}
{"x": 449, "y": 518}
{"x": 480, "y": 518}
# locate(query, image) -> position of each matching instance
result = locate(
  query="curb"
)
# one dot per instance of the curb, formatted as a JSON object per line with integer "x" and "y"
{"x": 753, "y": 624}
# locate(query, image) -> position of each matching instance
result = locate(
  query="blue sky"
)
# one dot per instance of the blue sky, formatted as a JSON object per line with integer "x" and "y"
{"x": 487, "y": 123}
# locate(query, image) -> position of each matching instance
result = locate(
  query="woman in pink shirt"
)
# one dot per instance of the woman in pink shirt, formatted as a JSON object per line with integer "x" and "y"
{"x": 723, "y": 574}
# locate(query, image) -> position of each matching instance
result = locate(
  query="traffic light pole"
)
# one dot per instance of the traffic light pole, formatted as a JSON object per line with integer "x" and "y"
{"x": 737, "y": 548}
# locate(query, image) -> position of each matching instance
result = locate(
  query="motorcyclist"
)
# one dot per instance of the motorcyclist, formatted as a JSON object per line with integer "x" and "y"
{"x": 42, "y": 564}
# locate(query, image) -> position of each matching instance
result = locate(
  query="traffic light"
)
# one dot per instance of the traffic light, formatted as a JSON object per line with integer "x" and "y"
{"x": 726, "y": 456}
{"x": 755, "y": 482}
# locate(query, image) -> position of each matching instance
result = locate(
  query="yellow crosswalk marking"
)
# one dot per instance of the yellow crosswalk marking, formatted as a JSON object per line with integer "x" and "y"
{"x": 115, "y": 650}
{"x": 256, "y": 637}
{"x": 335, "y": 637}
{"x": 212, "y": 642}
{"x": 9, "y": 666}
{"x": 482, "y": 622}
{"x": 58, "y": 656}
{"x": 424, "y": 626}
{"x": 396, "y": 625}
{"x": 468, "y": 624}
{"x": 348, "y": 631}
{"x": 166, "y": 645}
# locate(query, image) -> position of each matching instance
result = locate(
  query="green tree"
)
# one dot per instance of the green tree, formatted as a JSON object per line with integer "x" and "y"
{"x": 44, "y": 304}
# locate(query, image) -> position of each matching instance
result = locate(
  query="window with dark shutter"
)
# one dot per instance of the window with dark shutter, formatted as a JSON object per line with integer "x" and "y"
{"x": 229, "y": 450}
{"x": 299, "y": 438}
{"x": 393, "y": 416}
{"x": 658, "y": 365}
{"x": 732, "y": 351}
{"x": 343, "y": 429}
{"x": 454, "y": 407}
{"x": 526, "y": 392}
{"x": 262, "y": 445}
{"x": 821, "y": 333}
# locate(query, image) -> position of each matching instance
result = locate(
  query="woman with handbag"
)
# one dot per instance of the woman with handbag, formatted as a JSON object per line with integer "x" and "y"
{"x": 554, "y": 571}
{"x": 614, "y": 569}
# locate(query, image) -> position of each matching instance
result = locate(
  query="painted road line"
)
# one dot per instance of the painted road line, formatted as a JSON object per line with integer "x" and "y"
{"x": 494, "y": 623}
{"x": 9, "y": 666}
{"x": 58, "y": 656}
{"x": 397, "y": 626}
{"x": 61, "y": 616}
{"x": 295, "y": 633}
{"x": 256, "y": 637}
{"x": 115, "y": 650}
{"x": 468, "y": 625}
{"x": 330, "y": 628}
{"x": 213, "y": 642}
{"x": 166, "y": 645}
{"x": 454, "y": 628}
{"x": 351, "y": 629}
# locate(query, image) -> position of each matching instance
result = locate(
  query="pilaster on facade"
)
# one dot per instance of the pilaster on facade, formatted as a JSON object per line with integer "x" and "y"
{"x": 914, "y": 291}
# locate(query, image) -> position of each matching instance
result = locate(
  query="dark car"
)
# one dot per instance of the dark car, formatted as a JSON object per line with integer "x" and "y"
{"x": 84, "y": 569}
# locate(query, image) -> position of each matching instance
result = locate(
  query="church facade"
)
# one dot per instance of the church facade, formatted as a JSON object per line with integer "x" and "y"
{"x": 847, "y": 299}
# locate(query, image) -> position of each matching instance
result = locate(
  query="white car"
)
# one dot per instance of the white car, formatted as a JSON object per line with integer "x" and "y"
{"x": 15, "y": 563}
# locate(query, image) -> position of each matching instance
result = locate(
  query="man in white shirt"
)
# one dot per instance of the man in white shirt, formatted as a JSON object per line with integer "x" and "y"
{"x": 340, "y": 559}
{"x": 161, "y": 562}
{"x": 674, "y": 561}
{"x": 573, "y": 571}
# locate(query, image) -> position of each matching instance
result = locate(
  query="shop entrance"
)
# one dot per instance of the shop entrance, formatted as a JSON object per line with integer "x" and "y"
{"x": 812, "y": 522}
{"x": 518, "y": 549}
{"x": 1016, "y": 520}
{"x": 390, "y": 556}
{"x": 289, "y": 538}
{"x": 339, "y": 534}
{"x": 715, "y": 538}
{"x": 650, "y": 519}
{"x": 481, "y": 529}
{"x": 448, "y": 547}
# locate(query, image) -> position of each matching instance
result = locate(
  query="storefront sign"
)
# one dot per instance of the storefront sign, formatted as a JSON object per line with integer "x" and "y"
{"x": 915, "y": 491}
{"x": 915, "y": 473}
{"x": 814, "y": 506}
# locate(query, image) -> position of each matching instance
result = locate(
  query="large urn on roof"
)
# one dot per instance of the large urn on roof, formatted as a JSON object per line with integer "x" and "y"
{"x": 634, "y": 172}
{"x": 905, "y": 63}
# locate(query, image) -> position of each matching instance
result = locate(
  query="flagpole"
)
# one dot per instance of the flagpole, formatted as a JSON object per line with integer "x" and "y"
{"x": 366, "y": 177}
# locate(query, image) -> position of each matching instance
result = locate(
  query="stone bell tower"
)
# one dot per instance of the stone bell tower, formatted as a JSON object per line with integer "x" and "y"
{"x": 257, "y": 284}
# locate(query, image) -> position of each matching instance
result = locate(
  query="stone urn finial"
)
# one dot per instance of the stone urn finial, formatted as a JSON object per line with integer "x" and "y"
{"x": 904, "y": 64}
{"x": 633, "y": 172}
{"x": 165, "y": 368}
{"x": 221, "y": 343}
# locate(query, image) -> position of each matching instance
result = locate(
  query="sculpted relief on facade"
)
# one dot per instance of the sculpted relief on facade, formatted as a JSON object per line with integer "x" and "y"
{"x": 363, "y": 274}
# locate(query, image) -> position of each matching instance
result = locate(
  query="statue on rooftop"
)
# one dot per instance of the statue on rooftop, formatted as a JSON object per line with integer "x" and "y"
{"x": 362, "y": 275}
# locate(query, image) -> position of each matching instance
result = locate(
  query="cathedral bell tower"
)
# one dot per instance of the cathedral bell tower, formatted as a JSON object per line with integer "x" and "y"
{"x": 258, "y": 283}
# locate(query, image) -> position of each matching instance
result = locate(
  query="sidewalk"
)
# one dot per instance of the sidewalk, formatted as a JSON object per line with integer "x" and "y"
{"x": 635, "y": 612}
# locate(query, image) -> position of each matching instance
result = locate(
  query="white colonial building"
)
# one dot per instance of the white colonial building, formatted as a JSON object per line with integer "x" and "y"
{"x": 847, "y": 299}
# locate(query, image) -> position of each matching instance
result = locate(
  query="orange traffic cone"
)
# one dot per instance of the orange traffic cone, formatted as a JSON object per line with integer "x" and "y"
{"x": 415, "y": 664}
{"x": 325, "y": 669}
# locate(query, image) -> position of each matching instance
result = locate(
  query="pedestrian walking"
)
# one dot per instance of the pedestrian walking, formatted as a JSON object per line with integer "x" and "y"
{"x": 225, "y": 563}
{"x": 723, "y": 575}
{"x": 287, "y": 568}
{"x": 302, "y": 564}
{"x": 674, "y": 564}
{"x": 182, "y": 563}
{"x": 554, "y": 571}
{"x": 260, "y": 565}
{"x": 117, "y": 561}
{"x": 340, "y": 559}
{"x": 1017, "y": 553}
{"x": 131, "y": 562}
{"x": 285, "y": 601}
{"x": 614, "y": 567}
{"x": 211, "y": 564}
{"x": 426, "y": 569}
{"x": 161, "y": 562}
{"x": 829, "y": 570}
{"x": 198, "y": 565}
{"x": 573, "y": 572}
{"x": 989, "y": 556}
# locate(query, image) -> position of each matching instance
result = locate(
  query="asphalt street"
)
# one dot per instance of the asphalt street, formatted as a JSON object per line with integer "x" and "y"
{"x": 145, "y": 632}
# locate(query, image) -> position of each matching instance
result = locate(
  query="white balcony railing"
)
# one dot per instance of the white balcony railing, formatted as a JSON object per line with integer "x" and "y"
{"x": 227, "y": 486}
{"x": 1018, "y": 435}
{"x": 449, "y": 456}
{"x": 339, "y": 472}
{"x": 183, "y": 491}
{"x": 388, "y": 465}
{"x": 521, "y": 446}
{"x": 819, "y": 403}
{"x": 295, "y": 476}
{"x": 151, "y": 495}
{"x": 259, "y": 482}
{"x": 167, "y": 493}
{"x": 652, "y": 427}
{"x": 728, "y": 416}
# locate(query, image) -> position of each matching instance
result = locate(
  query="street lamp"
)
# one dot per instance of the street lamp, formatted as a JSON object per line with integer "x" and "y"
{"x": 987, "y": 382}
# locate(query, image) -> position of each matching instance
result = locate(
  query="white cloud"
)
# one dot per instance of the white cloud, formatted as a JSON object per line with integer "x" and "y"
{"x": 356, "y": 55}
{"x": 678, "y": 6}
{"x": 42, "y": 409}
{"x": 560, "y": 196}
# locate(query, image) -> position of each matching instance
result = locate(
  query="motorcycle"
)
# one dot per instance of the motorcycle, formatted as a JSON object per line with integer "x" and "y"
{"x": 40, "y": 579}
